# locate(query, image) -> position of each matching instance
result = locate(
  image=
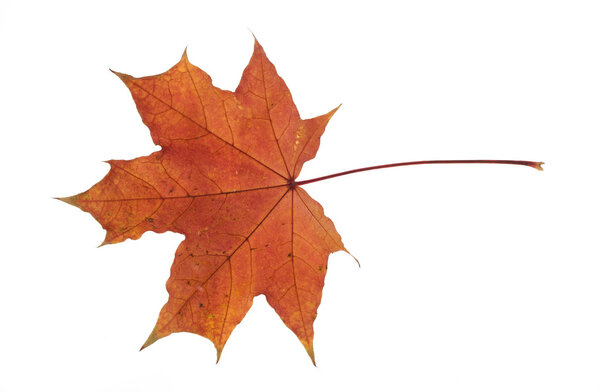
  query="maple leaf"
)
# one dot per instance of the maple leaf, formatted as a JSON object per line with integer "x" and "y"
{"x": 224, "y": 178}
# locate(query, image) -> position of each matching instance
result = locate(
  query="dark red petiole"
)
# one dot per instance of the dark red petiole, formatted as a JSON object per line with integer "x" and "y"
{"x": 535, "y": 165}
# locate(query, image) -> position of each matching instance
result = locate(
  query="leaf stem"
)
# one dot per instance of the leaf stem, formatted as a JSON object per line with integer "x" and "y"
{"x": 535, "y": 165}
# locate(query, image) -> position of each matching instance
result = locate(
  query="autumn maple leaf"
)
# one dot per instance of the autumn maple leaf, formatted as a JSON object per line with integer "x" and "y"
{"x": 225, "y": 178}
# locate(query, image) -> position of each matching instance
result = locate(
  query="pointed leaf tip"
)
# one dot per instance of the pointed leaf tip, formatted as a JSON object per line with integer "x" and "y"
{"x": 219, "y": 351}
{"x": 124, "y": 77}
{"x": 184, "y": 55}
{"x": 351, "y": 255}
{"x": 257, "y": 46}
{"x": 334, "y": 110}
{"x": 151, "y": 339}
{"x": 106, "y": 241}
{"x": 72, "y": 200}
{"x": 253, "y": 35}
{"x": 311, "y": 353}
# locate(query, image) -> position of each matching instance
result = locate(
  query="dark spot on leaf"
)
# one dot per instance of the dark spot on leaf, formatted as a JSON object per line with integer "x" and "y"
{"x": 201, "y": 305}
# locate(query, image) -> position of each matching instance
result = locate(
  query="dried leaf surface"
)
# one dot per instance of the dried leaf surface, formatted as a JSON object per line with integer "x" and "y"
{"x": 224, "y": 178}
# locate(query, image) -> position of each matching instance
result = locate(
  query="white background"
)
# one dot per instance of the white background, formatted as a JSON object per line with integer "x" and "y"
{"x": 473, "y": 278}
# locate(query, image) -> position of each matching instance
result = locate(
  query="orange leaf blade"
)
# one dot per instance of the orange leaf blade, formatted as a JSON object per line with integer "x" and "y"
{"x": 225, "y": 179}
